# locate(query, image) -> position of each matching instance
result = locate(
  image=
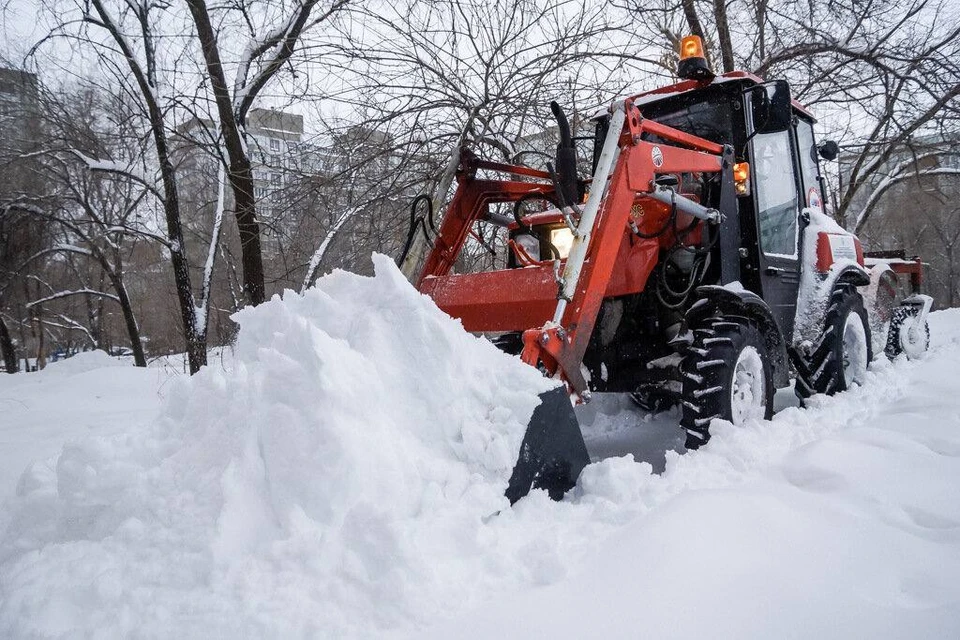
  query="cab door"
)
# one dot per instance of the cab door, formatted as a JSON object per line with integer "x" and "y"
{"x": 777, "y": 204}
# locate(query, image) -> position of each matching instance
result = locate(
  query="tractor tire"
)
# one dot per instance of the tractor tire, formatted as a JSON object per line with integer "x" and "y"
{"x": 901, "y": 340}
{"x": 726, "y": 374}
{"x": 844, "y": 349}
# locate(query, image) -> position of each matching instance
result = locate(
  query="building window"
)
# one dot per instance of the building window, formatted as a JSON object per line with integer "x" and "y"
{"x": 274, "y": 145}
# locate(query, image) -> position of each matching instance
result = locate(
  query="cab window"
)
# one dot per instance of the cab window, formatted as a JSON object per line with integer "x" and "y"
{"x": 776, "y": 193}
{"x": 809, "y": 170}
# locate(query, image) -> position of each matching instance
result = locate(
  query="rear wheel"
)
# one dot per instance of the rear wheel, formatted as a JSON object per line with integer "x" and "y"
{"x": 840, "y": 358}
{"x": 726, "y": 374}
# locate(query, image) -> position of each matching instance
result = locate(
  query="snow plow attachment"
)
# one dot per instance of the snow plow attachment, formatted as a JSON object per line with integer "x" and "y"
{"x": 552, "y": 453}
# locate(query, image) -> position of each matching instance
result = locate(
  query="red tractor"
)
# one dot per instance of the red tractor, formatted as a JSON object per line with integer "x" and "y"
{"x": 694, "y": 266}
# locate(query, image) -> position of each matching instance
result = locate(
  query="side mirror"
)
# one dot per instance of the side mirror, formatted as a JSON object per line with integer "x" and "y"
{"x": 829, "y": 150}
{"x": 770, "y": 103}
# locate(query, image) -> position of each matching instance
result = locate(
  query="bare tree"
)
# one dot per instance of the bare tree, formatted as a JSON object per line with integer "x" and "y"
{"x": 879, "y": 74}
{"x": 444, "y": 74}
{"x": 141, "y": 50}
{"x": 138, "y": 23}
{"x": 20, "y": 235}
{"x": 267, "y": 50}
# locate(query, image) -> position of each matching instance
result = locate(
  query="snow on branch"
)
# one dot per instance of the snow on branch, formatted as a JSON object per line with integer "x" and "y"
{"x": 76, "y": 292}
{"x": 129, "y": 231}
{"x": 200, "y": 311}
{"x": 322, "y": 249}
{"x": 279, "y": 44}
{"x": 72, "y": 325}
{"x": 127, "y": 171}
{"x": 71, "y": 248}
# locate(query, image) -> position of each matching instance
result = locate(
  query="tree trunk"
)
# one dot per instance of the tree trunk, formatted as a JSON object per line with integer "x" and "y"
{"x": 6, "y": 348}
{"x": 241, "y": 173}
{"x": 723, "y": 35}
{"x": 196, "y": 348}
{"x": 23, "y": 344}
{"x": 41, "y": 358}
{"x": 133, "y": 330}
{"x": 951, "y": 277}
{"x": 690, "y": 13}
{"x": 251, "y": 254}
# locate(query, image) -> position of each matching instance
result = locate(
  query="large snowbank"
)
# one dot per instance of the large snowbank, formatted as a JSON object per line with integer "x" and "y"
{"x": 301, "y": 495}
{"x": 359, "y": 435}
{"x": 83, "y": 362}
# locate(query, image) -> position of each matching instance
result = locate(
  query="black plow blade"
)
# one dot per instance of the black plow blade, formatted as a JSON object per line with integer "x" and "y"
{"x": 552, "y": 453}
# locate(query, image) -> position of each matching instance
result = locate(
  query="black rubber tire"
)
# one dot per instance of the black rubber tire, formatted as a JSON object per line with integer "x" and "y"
{"x": 822, "y": 371}
{"x": 707, "y": 373}
{"x": 894, "y": 346}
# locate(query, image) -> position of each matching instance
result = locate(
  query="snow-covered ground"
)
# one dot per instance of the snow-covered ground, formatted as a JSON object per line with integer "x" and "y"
{"x": 341, "y": 476}
{"x": 88, "y": 394}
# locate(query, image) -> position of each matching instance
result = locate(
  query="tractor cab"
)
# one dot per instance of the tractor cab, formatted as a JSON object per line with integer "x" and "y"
{"x": 777, "y": 173}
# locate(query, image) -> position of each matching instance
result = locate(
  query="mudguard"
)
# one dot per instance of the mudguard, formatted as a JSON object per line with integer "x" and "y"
{"x": 815, "y": 292}
{"x": 740, "y": 302}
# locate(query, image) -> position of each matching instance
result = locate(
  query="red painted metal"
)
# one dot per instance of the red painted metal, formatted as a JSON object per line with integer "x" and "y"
{"x": 825, "y": 257}
{"x": 504, "y": 300}
{"x": 687, "y": 139}
{"x": 913, "y": 268}
{"x": 518, "y": 299}
{"x": 510, "y": 168}
{"x": 471, "y": 203}
{"x": 618, "y": 261}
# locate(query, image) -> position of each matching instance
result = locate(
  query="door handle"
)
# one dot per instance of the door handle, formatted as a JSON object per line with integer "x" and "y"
{"x": 774, "y": 271}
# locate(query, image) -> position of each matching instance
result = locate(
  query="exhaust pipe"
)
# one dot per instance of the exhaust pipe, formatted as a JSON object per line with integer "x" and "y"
{"x": 566, "y": 158}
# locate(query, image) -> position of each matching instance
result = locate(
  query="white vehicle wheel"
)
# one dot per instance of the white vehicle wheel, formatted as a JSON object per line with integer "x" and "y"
{"x": 747, "y": 389}
{"x": 727, "y": 375}
{"x": 907, "y": 335}
{"x": 855, "y": 352}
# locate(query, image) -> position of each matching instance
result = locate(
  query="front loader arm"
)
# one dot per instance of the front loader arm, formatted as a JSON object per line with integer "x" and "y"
{"x": 627, "y": 169}
{"x": 632, "y": 165}
{"x": 471, "y": 203}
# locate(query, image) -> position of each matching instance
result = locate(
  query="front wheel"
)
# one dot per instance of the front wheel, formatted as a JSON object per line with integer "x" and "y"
{"x": 726, "y": 374}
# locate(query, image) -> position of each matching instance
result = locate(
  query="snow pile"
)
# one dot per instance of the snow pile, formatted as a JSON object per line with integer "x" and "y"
{"x": 83, "y": 362}
{"x": 344, "y": 479}
{"x": 359, "y": 435}
{"x": 88, "y": 394}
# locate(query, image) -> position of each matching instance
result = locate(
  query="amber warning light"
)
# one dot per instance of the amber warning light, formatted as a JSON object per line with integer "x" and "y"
{"x": 691, "y": 47}
{"x": 693, "y": 62}
{"x": 741, "y": 177}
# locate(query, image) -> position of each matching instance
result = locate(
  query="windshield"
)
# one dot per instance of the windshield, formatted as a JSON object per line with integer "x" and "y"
{"x": 701, "y": 113}
{"x": 707, "y": 113}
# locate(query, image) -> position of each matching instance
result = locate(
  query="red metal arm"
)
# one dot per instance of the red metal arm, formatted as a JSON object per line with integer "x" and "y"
{"x": 617, "y": 262}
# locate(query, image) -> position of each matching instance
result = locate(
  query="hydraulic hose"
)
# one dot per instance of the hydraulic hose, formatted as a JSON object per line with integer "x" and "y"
{"x": 418, "y": 222}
